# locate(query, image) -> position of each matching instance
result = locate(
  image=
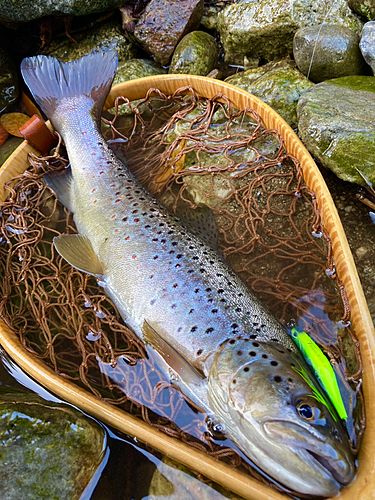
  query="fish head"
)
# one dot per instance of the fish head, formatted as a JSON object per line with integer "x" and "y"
{"x": 274, "y": 410}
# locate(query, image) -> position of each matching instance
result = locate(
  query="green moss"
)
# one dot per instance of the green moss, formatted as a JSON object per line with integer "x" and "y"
{"x": 355, "y": 82}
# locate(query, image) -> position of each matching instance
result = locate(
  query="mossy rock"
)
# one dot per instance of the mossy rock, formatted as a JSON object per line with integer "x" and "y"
{"x": 196, "y": 54}
{"x": 336, "y": 121}
{"x": 48, "y": 451}
{"x": 279, "y": 84}
{"x": 107, "y": 36}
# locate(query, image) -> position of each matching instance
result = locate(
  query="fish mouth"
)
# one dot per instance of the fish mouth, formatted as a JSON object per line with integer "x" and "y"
{"x": 331, "y": 468}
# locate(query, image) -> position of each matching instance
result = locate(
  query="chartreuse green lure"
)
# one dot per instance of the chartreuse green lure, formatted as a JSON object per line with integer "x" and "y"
{"x": 322, "y": 369}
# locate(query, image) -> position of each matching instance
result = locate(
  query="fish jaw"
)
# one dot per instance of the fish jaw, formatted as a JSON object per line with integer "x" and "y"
{"x": 255, "y": 392}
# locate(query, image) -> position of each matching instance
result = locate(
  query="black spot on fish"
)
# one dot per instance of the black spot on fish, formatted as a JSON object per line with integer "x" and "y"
{"x": 221, "y": 290}
{"x": 209, "y": 330}
{"x": 234, "y": 381}
{"x": 264, "y": 356}
{"x": 274, "y": 363}
{"x": 232, "y": 341}
{"x": 253, "y": 336}
{"x": 214, "y": 311}
{"x": 124, "y": 219}
{"x": 196, "y": 290}
{"x": 238, "y": 309}
{"x": 246, "y": 369}
{"x": 194, "y": 329}
{"x": 239, "y": 353}
{"x": 156, "y": 257}
{"x": 199, "y": 352}
{"x": 277, "y": 379}
{"x": 255, "y": 344}
{"x": 222, "y": 300}
{"x": 234, "y": 326}
{"x": 252, "y": 353}
{"x": 290, "y": 380}
{"x": 208, "y": 289}
{"x": 178, "y": 256}
{"x": 147, "y": 227}
{"x": 195, "y": 257}
{"x": 202, "y": 270}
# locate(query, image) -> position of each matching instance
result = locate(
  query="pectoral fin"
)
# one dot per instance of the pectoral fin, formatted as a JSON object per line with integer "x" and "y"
{"x": 62, "y": 183}
{"x": 173, "y": 359}
{"x": 78, "y": 251}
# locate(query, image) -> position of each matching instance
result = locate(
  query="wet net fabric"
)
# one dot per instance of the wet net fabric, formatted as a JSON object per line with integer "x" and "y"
{"x": 189, "y": 152}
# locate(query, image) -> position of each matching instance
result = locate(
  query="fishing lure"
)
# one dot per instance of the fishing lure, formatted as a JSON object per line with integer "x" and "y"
{"x": 322, "y": 368}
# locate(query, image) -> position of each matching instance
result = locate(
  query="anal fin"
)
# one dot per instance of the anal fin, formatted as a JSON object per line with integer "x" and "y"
{"x": 77, "y": 250}
{"x": 62, "y": 183}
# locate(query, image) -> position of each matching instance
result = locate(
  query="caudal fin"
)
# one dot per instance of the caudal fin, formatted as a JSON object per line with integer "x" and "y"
{"x": 50, "y": 80}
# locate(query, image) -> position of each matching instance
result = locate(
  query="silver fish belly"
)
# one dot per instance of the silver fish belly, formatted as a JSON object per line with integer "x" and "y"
{"x": 177, "y": 293}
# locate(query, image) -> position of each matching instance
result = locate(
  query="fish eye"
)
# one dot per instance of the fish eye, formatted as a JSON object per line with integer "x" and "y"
{"x": 305, "y": 411}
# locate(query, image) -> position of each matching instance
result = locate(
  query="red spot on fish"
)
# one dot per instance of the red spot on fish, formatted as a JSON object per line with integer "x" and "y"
{"x": 93, "y": 154}
{"x": 95, "y": 201}
{"x": 151, "y": 276}
{"x": 116, "y": 201}
{"x": 134, "y": 256}
{"x": 136, "y": 220}
{"x": 101, "y": 173}
{"x": 94, "y": 190}
{"x": 84, "y": 133}
{"x": 116, "y": 230}
{"x": 127, "y": 238}
{"x": 112, "y": 186}
{"x": 175, "y": 285}
{"x": 113, "y": 216}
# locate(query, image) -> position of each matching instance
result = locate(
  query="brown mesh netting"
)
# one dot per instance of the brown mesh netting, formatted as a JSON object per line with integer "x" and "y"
{"x": 188, "y": 152}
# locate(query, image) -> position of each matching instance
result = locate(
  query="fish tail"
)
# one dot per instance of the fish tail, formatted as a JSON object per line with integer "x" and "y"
{"x": 50, "y": 80}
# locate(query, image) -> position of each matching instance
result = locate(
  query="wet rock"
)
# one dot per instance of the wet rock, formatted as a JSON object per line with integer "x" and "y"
{"x": 163, "y": 23}
{"x": 266, "y": 28}
{"x": 367, "y": 44}
{"x": 327, "y": 51}
{"x": 107, "y": 36}
{"x": 137, "y": 68}
{"x": 279, "y": 84}
{"x": 196, "y": 54}
{"x": 27, "y": 10}
{"x": 336, "y": 121}
{"x": 9, "y": 88}
{"x": 365, "y": 8}
{"x": 48, "y": 451}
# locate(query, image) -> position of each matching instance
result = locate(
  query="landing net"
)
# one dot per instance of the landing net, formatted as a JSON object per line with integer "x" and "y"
{"x": 189, "y": 152}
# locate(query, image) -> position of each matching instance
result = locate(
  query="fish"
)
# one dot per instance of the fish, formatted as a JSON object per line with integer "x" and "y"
{"x": 219, "y": 343}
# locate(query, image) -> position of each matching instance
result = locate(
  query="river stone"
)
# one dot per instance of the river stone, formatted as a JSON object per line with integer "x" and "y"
{"x": 23, "y": 11}
{"x": 279, "y": 84}
{"x": 333, "y": 49}
{"x": 48, "y": 451}
{"x": 196, "y": 54}
{"x": 137, "y": 68}
{"x": 365, "y": 8}
{"x": 367, "y": 44}
{"x": 336, "y": 121}
{"x": 163, "y": 23}
{"x": 107, "y": 36}
{"x": 266, "y": 29}
{"x": 9, "y": 87}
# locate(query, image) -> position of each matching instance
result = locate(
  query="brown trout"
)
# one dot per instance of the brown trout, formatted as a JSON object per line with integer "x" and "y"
{"x": 221, "y": 345}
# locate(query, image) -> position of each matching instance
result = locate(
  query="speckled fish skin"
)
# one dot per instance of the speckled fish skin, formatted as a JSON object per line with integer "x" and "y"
{"x": 160, "y": 273}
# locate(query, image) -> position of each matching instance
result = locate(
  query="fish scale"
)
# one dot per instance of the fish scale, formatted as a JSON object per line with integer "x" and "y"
{"x": 180, "y": 296}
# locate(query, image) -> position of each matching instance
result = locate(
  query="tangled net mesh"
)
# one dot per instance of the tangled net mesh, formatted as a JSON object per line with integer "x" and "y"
{"x": 188, "y": 151}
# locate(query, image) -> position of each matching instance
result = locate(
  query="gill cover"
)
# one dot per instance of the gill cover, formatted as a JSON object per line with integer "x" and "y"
{"x": 276, "y": 419}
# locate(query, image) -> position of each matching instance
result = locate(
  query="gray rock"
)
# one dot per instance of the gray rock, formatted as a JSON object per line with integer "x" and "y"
{"x": 25, "y": 10}
{"x": 365, "y": 8}
{"x": 367, "y": 44}
{"x": 264, "y": 28}
{"x": 336, "y": 121}
{"x": 163, "y": 24}
{"x": 107, "y": 36}
{"x": 48, "y": 451}
{"x": 327, "y": 51}
{"x": 279, "y": 84}
{"x": 196, "y": 54}
{"x": 9, "y": 87}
